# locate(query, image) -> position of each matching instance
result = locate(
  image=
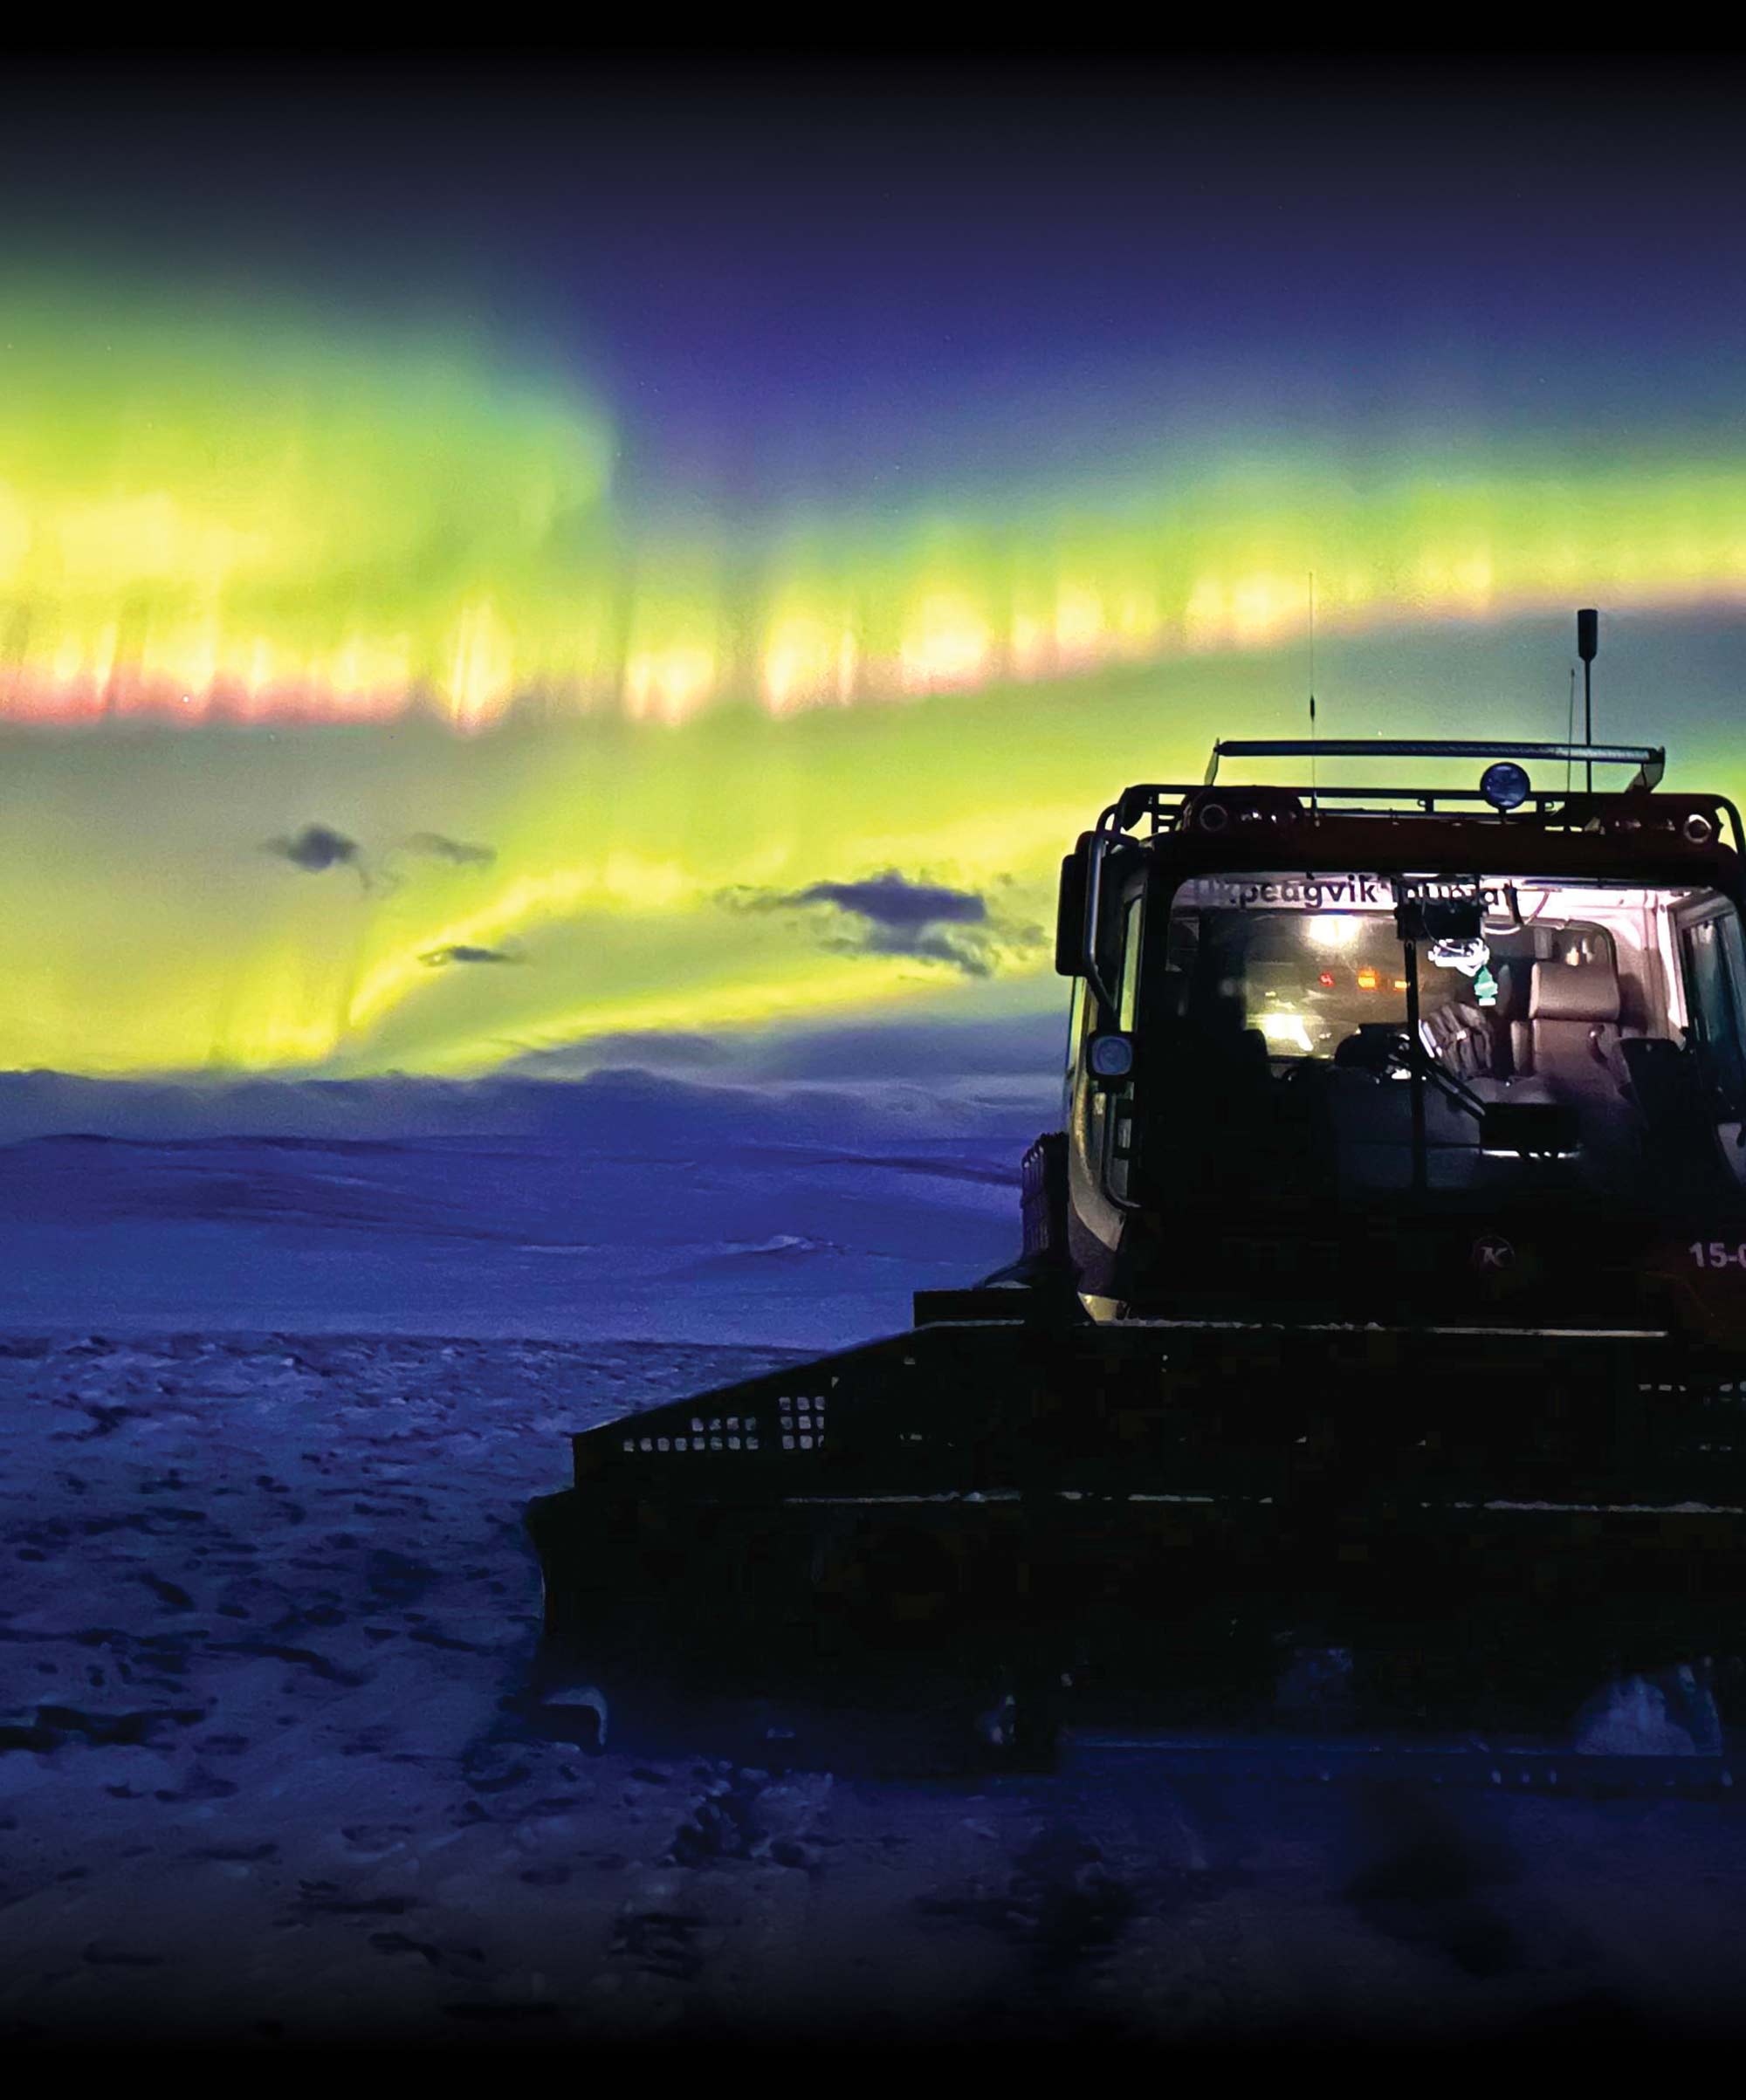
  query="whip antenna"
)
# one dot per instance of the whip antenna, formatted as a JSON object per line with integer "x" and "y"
{"x": 1312, "y": 688}
{"x": 1588, "y": 641}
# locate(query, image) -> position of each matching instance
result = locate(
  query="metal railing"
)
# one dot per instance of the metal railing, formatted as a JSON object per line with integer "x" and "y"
{"x": 1651, "y": 760}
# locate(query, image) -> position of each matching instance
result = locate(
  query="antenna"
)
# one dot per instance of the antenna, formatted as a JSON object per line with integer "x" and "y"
{"x": 1569, "y": 728}
{"x": 1588, "y": 642}
{"x": 1312, "y": 688}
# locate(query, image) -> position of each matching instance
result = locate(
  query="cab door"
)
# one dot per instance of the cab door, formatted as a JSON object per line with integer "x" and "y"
{"x": 1713, "y": 968}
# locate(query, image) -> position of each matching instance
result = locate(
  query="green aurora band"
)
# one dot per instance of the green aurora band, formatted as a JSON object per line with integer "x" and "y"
{"x": 256, "y": 575}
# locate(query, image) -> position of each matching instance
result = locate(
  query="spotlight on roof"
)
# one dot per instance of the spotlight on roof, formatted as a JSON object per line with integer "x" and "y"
{"x": 1505, "y": 785}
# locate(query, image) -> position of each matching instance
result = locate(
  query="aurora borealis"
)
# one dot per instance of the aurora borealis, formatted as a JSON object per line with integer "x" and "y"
{"x": 219, "y": 514}
{"x": 730, "y": 536}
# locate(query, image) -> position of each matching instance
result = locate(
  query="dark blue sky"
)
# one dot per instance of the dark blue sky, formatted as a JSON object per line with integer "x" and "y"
{"x": 796, "y": 279}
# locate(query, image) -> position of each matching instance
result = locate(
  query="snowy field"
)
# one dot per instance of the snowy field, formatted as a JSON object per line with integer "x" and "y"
{"x": 269, "y": 1414}
{"x": 625, "y": 1208}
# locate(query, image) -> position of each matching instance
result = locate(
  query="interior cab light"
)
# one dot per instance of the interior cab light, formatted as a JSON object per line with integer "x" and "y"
{"x": 1400, "y": 984}
{"x": 1369, "y": 979}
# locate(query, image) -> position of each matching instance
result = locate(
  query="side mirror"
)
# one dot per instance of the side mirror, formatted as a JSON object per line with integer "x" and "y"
{"x": 1110, "y": 1059}
{"x": 1087, "y": 915}
{"x": 1070, "y": 918}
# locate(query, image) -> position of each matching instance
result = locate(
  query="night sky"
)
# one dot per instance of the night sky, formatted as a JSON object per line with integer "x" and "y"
{"x": 500, "y": 558}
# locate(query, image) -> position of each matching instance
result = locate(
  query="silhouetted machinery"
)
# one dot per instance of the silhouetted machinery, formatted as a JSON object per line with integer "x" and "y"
{"x": 1372, "y": 1381}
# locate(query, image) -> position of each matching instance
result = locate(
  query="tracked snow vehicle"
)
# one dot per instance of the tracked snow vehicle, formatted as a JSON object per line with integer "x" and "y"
{"x": 1374, "y": 1370}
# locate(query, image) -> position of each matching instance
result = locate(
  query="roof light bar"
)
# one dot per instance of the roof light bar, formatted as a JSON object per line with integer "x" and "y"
{"x": 1651, "y": 760}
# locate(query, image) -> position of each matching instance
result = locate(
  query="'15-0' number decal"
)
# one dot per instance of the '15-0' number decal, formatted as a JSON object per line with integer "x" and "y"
{"x": 1717, "y": 1254}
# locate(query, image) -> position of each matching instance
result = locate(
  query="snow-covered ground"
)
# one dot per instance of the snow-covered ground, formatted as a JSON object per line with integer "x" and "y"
{"x": 269, "y": 1415}
{"x": 624, "y": 1208}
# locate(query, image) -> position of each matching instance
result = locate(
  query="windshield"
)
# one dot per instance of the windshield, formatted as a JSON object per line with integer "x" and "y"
{"x": 1304, "y": 1012}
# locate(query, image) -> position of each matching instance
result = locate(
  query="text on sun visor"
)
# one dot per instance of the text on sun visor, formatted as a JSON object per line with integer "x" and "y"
{"x": 1325, "y": 892}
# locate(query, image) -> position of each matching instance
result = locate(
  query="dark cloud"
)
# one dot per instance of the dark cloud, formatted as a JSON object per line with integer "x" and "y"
{"x": 889, "y": 915}
{"x": 317, "y": 848}
{"x": 461, "y": 951}
{"x": 457, "y": 851}
{"x": 891, "y": 899}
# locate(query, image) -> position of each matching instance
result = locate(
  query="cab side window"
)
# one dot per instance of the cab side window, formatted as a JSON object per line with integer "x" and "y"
{"x": 1130, "y": 990}
{"x": 1714, "y": 955}
{"x": 1075, "y": 1043}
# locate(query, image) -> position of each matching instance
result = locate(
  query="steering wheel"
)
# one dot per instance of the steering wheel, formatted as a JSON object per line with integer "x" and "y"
{"x": 1399, "y": 1053}
{"x": 1367, "y": 1052}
